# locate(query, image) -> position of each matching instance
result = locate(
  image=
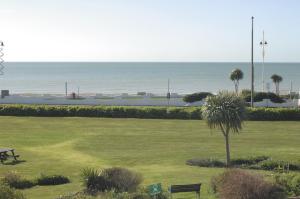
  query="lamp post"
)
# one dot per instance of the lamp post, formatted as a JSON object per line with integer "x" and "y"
{"x": 263, "y": 44}
{"x": 1, "y": 58}
{"x": 168, "y": 93}
{"x": 252, "y": 65}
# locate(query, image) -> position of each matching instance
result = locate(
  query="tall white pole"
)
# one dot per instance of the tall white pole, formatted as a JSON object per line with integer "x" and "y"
{"x": 263, "y": 44}
{"x": 168, "y": 94}
{"x": 252, "y": 65}
{"x": 66, "y": 88}
{"x": 1, "y": 58}
{"x": 291, "y": 89}
{"x": 263, "y": 69}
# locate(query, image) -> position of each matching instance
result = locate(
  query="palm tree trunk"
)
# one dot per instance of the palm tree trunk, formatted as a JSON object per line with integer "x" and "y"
{"x": 236, "y": 86}
{"x": 227, "y": 150}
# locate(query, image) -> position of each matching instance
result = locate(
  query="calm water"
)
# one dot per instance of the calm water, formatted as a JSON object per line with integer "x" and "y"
{"x": 134, "y": 77}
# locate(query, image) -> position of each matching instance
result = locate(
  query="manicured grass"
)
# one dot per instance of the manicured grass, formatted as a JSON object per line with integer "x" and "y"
{"x": 156, "y": 148}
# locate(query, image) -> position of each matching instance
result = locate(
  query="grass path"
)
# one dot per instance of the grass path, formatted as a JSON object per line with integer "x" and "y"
{"x": 156, "y": 148}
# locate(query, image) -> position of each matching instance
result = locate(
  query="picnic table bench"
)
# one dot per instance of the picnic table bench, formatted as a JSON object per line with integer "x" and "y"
{"x": 186, "y": 188}
{"x": 4, "y": 154}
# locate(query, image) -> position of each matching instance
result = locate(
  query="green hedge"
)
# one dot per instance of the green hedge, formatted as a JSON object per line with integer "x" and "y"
{"x": 273, "y": 114}
{"x": 260, "y": 96}
{"x": 195, "y": 97}
{"x": 101, "y": 111}
{"x": 256, "y": 114}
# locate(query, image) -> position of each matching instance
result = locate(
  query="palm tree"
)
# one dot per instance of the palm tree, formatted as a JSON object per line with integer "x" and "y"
{"x": 236, "y": 75}
{"x": 276, "y": 79}
{"x": 225, "y": 111}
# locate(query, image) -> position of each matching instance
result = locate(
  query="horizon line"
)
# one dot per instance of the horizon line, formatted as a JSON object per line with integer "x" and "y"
{"x": 294, "y": 62}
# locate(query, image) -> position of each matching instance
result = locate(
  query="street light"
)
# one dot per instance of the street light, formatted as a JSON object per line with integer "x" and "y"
{"x": 252, "y": 65}
{"x": 263, "y": 44}
{"x": 1, "y": 58}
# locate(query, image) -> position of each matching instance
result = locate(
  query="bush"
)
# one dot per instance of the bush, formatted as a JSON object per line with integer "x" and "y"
{"x": 290, "y": 183}
{"x": 272, "y": 165}
{"x": 15, "y": 181}
{"x": 260, "y": 96}
{"x": 52, "y": 180}
{"x": 122, "y": 179}
{"x": 237, "y": 184}
{"x": 7, "y": 192}
{"x": 256, "y": 114}
{"x": 249, "y": 160}
{"x": 101, "y": 111}
{"x": 255, "y": 162}
{"x": 273, "y": 114}
{"x": 237, "y": 162}
{"x": 93, "y": 181}
{"x": 206, "y": 163}
{"x": 196, "y": 97}
{"x": 116, "y": 178}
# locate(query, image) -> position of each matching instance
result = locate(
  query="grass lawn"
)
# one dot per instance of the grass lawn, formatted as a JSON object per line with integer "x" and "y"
{"x": 156, "y": 148}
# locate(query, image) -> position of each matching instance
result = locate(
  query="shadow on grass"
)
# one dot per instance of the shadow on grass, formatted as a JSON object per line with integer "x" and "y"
{"x": 15, "y": 162}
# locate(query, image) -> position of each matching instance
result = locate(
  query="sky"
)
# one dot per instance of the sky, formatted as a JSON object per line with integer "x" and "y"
{"x": 149, "y": 30}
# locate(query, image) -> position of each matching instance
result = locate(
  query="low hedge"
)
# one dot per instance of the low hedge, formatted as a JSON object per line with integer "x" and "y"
{"x": 195, "y": 97}
{"x": 101, "y": 111}
{"x": 260, "y": 96}
{"x": 255, "y": 114}
{"x": 273, "y": 114}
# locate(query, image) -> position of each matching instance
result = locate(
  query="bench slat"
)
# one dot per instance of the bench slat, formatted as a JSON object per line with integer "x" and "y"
{"x": 185, "y": 188}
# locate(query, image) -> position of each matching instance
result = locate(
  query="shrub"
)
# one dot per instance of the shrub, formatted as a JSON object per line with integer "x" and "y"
{"x": 52, "y": 180}
{"x": 122, "y": 179}
{"x": 260, "y": 96}
{"x": 116, "y": 178}
{"x": 7, "y": 192}
{"x": 93, "y": 180}
{"x": 15, "y": 181}
{"x": 206, "y": 163}
{"x": 279, "y": 165}
{"x": 273, "y": 114}
{"x": 237, "y": 162}
{"x": 196, "y": 97}
{"x": 249, "y": 160}
{"x": 290, "y": 183}
{"x": 256, "y": 114}
{"x": 237, "y": 184}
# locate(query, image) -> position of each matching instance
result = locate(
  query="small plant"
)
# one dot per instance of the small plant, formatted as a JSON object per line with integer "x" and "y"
{"x": 14, "y": 180}
{"x": 7, "y": 192}
{"x": 52, "y": 180}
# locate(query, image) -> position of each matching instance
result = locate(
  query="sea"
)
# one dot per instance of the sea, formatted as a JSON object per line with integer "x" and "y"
{"x": 150, "y": 77}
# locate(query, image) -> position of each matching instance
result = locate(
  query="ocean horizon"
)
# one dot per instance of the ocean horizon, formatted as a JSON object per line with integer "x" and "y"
{"x": 133, "y": 77}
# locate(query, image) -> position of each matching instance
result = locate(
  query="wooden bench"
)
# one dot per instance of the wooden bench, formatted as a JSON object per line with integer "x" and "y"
{"x": 4, "y": 154}
{"x": 186, "y": 188}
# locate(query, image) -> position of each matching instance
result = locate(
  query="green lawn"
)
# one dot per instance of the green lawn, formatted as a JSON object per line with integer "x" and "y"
{"x": 156, "y": 148}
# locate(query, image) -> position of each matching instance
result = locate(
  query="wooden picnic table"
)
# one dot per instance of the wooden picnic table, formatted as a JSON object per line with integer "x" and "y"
{"x": 4, "y": 154}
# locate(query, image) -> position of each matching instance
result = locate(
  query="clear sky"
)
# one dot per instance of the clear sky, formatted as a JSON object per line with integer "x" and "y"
{"x": 148, "y": 30}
